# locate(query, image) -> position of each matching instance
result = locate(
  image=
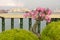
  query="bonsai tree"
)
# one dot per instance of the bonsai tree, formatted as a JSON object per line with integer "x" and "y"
{"x": 39, "y": 14}
{"x": 17, "y": 34}
{"x": 51, "y": 32}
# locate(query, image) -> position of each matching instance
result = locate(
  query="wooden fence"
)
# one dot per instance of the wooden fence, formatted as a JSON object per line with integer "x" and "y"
{"x": 54, "y": 17}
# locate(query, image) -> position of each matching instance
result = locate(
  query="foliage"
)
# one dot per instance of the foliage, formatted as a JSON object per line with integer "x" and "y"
{"x": 51, "y": 32}
{"x": 39, "y": 14}
{"x": 17, "y": 34}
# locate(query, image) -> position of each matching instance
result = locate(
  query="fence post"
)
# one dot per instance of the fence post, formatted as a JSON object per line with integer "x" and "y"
{"x": 12, "y": 23}
{"x": 30, "y": 23}
{"x": 21, "y": 22}
{"x": 54, "y": 19}
{"x": 3, "y": 24}
{"x": 39, "y": 22}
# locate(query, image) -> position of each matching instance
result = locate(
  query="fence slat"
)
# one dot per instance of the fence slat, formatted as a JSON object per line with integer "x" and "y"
{"x": 12, "y": 23}
{"x": 39, "y": 26}
{"x": 21, "y": 22}
{"x": 55, "y": 19}
{"x": 3, "y": 24}
{"x": 30, "y": 23}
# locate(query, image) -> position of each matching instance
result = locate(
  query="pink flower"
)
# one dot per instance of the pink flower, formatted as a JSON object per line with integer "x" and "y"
{"x": 48, "y": 11}
{"x": 34, "y": 13}
{"x": 47, "y": 18}
{"x": 26, "y": 15}
{"x": 34, "y": 17}
{"x": 30, "y": 12}
{"x": 42, "y": 15}
{"x": 40, "y": 9}
{"x": 39, "y": 14}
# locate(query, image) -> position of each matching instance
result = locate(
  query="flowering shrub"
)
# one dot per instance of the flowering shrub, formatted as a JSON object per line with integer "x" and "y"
{"x": 17, "y": 34}
{"x": 51, "y": 32}
{"x": 39, "y": 14}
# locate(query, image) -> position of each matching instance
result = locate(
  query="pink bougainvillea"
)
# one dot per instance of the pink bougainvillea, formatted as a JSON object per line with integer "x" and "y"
{"x": 40, "y": 14}
{"x": 40, "y": 9}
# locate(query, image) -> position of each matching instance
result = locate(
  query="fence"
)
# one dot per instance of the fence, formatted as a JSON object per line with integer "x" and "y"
{"x": 54, "y": 17}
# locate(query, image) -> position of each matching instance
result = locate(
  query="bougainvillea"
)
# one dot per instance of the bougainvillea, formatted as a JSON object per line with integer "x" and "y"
{"x": 39, "y": 14}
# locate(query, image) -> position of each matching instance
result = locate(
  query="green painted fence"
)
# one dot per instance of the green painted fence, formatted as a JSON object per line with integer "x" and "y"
{"x": 21, "y": 23}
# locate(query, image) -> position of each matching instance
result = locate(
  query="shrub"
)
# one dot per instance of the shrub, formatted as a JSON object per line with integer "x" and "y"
{"x": 17, "y": 34}
{"x": 51, "y": 32}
